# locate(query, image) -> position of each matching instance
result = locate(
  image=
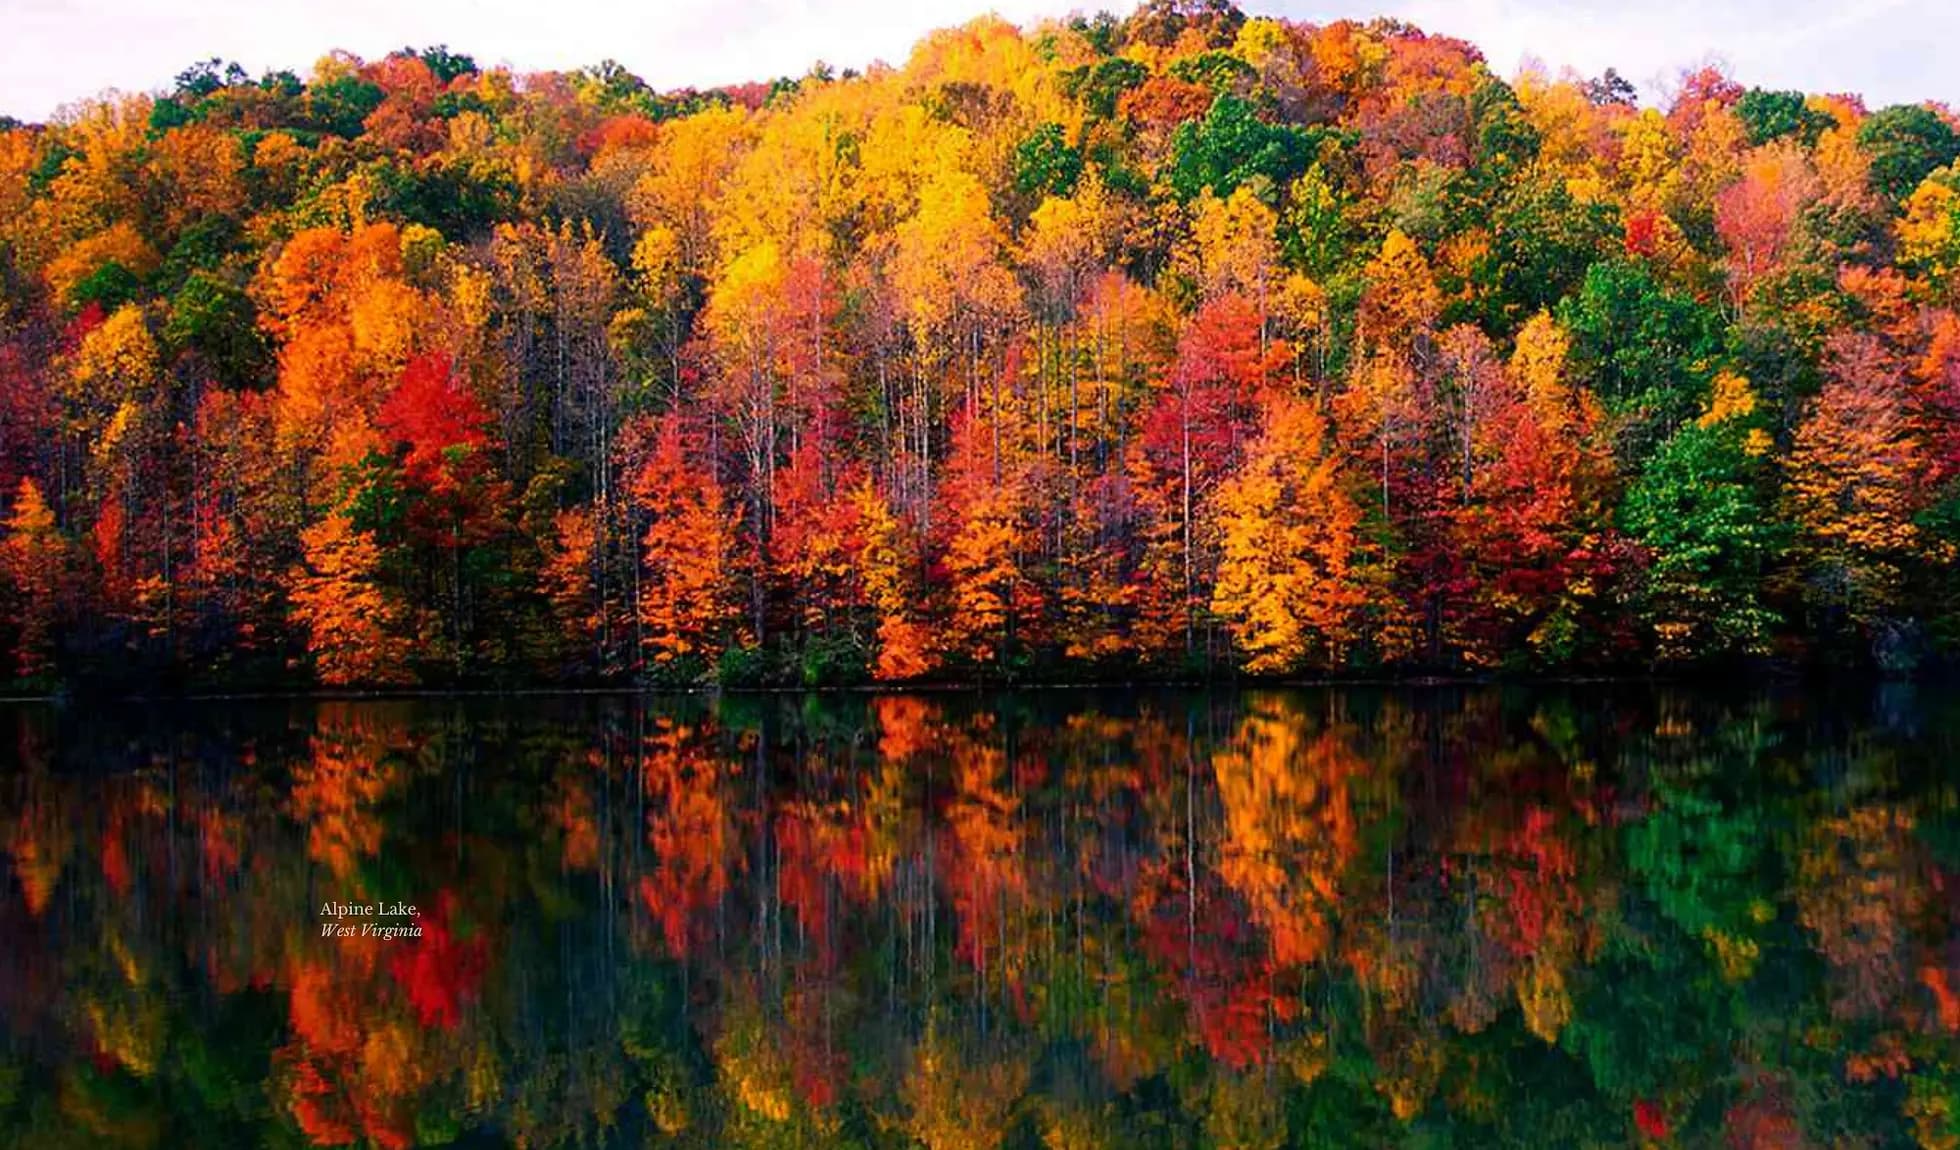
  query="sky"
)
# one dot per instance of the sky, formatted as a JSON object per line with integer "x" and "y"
{"x": 56, "y": 51}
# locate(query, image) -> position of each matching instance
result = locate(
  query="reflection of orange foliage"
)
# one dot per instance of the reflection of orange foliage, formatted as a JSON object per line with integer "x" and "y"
{"x": 572, "y": 813}
{"x": 315, "y": 1106}
{"x": 1855, "y": 894}
{"x": 336, "y": 790}
{"x": 1886, "y": 1059}
{"x": 1410, "y": 1068}
{"x": 818, "y": 1067}
{"x": 1935, "y": 980}
{"x": 351, "y": 1071}
{"x": 1386, "y": 962}
{"x": 954, "y": 1103}
{"x": 1762, "y": 1119}
{"x": 752, "y": 1066}
{"x": 39, "y": 841}
{"x": 1289, "y": 829}
{"x": 324, "y": 1009}
{"x": 1539, "y": 893}
{"x": 1225, "y": 981}
{"x": 115, "y": 856}
{"x": 814, "y": 847}
{"x": 1536, "y": 921}
{"x": 217, "y": 844}
{"x": 984, "y": 863}
{"x": 334, "y": 1113}
{"x": 906, "y": 725}
{"x": 690, "y": 829}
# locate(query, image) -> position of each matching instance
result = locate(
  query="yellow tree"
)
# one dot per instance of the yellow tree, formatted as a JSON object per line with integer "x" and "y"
{"x": 1234, "y": 250}
{"x": 957, "y": 291}
{"x": 32, "y": 557}
{"x": 887, "y": 562}
{"x": 1929, "y": 232}
{"x": 691, "y": 163}
{"x": 120, "y": 244}
{"x": 1286, "y": 585}
{"x": 1400, "y": 304}
{"x": 118, "y": 405}
{"x": 1854, "y": 481}
{"x": 350, "y": 621}
{"x": 1400, "y": 300}
{"x": 200, "y": 168}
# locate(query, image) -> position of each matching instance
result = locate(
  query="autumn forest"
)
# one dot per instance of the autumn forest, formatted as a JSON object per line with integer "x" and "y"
{"x": 1192, "y": 342}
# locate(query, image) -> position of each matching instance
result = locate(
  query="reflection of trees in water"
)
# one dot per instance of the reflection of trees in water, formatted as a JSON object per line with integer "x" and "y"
{"x": 1246, "y": 920}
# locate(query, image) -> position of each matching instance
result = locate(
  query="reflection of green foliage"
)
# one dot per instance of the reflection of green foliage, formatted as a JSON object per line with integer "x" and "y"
{"x": 1650, "y": 1023}
{"x": 1941, "y": 836}
{"x": 224, "y": 1060}
{"x": 1697, "y": 859}
{"x": 586, "y": 1028}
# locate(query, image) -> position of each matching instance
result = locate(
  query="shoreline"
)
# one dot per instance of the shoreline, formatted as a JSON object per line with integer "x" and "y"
{"x": 1779, "y": 677}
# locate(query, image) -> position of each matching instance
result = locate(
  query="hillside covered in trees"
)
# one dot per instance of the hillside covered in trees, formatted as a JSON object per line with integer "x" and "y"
{"x": 1179, "y": 343}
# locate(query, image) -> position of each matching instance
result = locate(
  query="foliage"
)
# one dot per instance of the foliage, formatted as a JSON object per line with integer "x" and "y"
{"x": 1906, "y": 143}
{"x": 418, "y": 367}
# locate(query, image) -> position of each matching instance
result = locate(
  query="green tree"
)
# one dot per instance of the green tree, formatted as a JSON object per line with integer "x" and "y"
{"x": 1045, "y": 164}
{"x": 1906, "y": 142}
{"x": 1232, "y": 145}
{"x": 1643, "y": 350}
{"x": 1774, "y": 115}
{"x": 1696, "y": 508}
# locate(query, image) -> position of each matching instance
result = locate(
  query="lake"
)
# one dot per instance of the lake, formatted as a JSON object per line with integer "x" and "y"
{"x": 1342, "y": 917}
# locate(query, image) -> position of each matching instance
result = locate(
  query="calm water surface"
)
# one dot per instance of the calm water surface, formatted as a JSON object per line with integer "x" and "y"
{"x": 1261, "y": 919}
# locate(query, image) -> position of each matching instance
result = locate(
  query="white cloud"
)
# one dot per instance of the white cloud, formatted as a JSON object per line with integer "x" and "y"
{"x": 1889, "y": 50}
{"x": 55, "y": 51}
